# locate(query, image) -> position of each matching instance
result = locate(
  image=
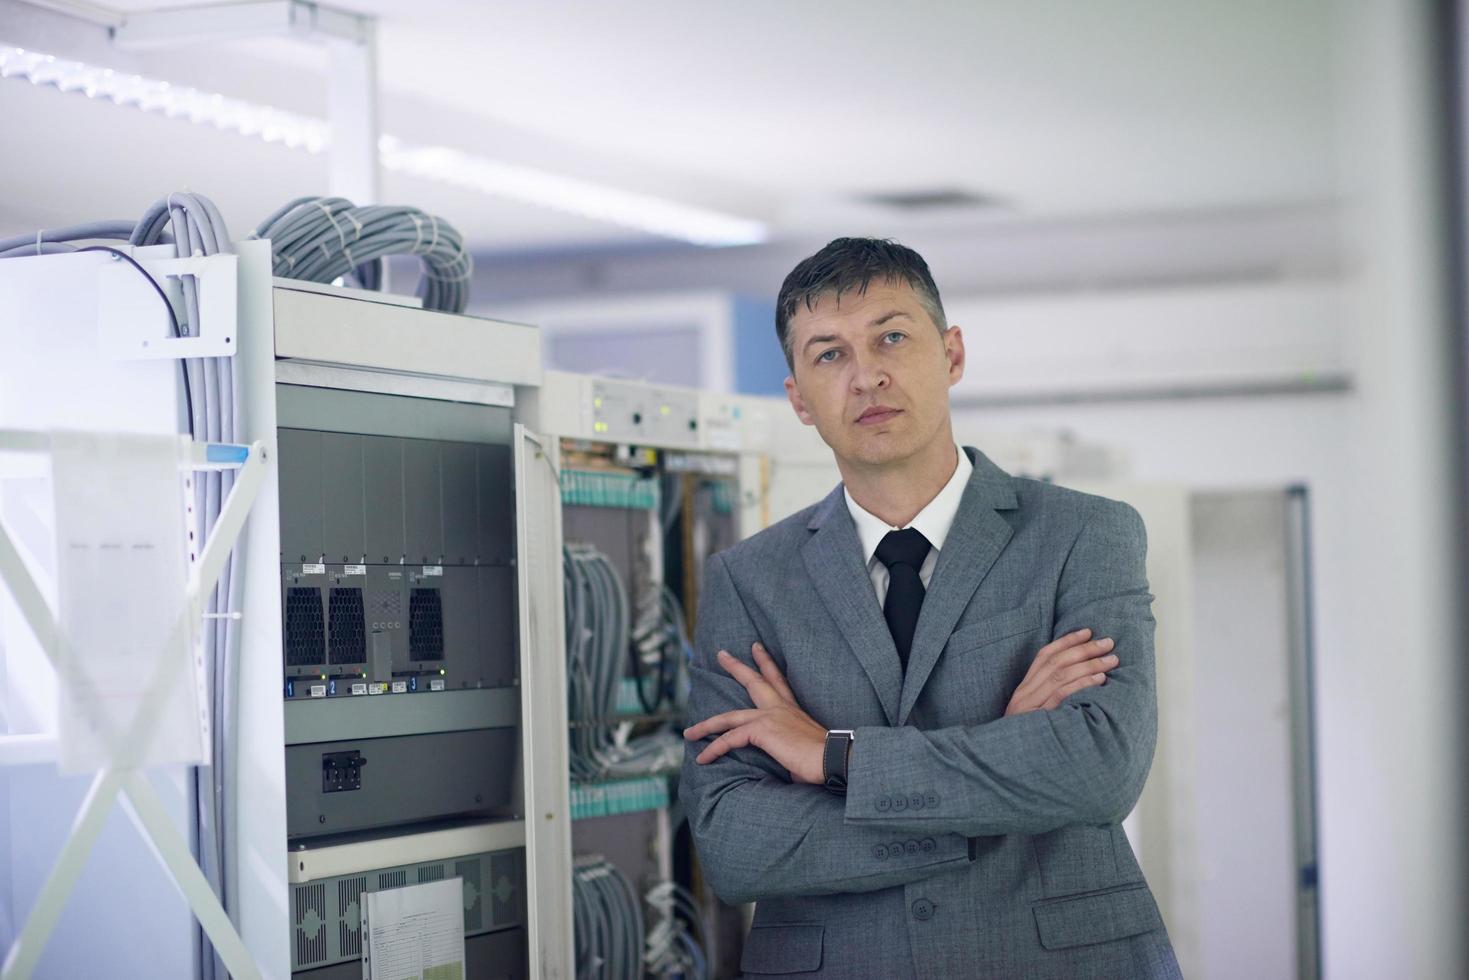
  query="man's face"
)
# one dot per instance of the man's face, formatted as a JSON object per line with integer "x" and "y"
{"x": 872, "y": 373}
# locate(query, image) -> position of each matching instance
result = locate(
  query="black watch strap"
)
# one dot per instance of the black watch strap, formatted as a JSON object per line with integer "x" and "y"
{"x": 834, "y": 760}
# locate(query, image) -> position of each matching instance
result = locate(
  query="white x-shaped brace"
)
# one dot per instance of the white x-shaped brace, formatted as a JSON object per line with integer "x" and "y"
{"x": 147, "y": 809}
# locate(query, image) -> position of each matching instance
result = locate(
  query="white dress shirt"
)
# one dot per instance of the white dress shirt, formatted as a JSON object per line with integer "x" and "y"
{"x": 933, "y": 522}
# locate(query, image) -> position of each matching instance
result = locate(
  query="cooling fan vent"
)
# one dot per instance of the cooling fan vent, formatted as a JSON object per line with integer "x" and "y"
{"x": 305, "y": 632}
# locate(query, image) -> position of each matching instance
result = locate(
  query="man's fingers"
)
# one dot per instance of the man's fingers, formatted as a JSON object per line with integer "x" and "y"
{"x": 1066, "y": 690}
{"x": 758, "y": 687}
{"x": 1048, "y": 653}
{"x": 1062, "y": 643}
{"x": 720, "y": 723}
{"x": 1041, "y": 676}
{"x": 1066, "y": 657}
{"x": 1065, "y": 675}
{"x": 771, "y": 672}
{"x": 735, "y": 738}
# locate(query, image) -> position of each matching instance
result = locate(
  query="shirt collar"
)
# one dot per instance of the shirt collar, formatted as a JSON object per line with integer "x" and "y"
{"x": 933, "y": 521}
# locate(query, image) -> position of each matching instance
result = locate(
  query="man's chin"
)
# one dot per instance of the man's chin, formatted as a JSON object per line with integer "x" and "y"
{"x": 876, "y": 452}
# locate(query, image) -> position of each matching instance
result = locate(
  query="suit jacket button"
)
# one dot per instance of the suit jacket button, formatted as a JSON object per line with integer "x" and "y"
{"x": 911, "y": 847}
{"x": 923, "y": 910}
{"x": 895, "y": 849}
{"x": 916, "y": 801}
{"x": 927, "y": 844}
{"x": 900, "y": 803}
{"x": 883, "y": 804}
{"x": 931, "y": 800}
{"x": 880, "y": 852}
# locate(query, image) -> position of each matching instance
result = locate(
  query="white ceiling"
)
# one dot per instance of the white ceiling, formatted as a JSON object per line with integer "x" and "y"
{"x": 770, "y": 110}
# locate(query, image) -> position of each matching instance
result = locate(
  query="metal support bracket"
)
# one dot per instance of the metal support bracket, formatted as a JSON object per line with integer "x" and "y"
{"x": 132, "y": 324}
{"x": 350, "y": 40}
{"x": 129, "y": 783}
{"x": 232, "y": 21}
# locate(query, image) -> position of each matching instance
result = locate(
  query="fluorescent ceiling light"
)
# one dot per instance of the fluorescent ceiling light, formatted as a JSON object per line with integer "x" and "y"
{"x": 643, "y": 212}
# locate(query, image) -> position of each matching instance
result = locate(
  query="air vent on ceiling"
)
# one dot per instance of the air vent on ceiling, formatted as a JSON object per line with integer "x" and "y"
{"x": 932, "y": 199}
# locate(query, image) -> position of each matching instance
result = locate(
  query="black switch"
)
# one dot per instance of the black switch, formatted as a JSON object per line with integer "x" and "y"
{"x": 341, "y": 771}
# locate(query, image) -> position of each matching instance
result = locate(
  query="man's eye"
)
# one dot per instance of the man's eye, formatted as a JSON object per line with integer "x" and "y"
{"x": 826, "y": 357}
{"x": 893, "y": 336}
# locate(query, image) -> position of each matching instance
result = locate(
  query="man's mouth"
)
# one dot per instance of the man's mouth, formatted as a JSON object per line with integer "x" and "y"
{"x": 878, "y": 414}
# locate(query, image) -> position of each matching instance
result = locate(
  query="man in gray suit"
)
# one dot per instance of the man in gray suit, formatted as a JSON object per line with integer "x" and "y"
{"x": 907, "y": 745}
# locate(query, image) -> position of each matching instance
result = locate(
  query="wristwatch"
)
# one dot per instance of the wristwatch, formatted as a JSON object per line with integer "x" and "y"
{"x": 834, "y": 760}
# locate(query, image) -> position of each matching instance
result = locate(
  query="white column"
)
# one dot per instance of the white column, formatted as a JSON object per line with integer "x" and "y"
{"x": 352, "y": 111}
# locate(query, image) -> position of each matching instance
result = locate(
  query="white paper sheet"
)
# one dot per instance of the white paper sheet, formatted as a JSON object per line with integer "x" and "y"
{"x": 414, "y": 933}
{"x": 130, "y": 688}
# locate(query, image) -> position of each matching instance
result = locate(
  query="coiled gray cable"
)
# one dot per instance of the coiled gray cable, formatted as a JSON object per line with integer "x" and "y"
{"x": 322, "y": 239}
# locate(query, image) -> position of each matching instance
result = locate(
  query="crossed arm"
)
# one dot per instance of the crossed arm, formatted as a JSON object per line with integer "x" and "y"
{"x": 1070, "y": 749}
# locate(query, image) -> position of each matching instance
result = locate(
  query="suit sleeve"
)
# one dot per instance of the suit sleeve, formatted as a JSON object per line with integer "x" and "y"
{"x": 1083, "y": 762}
{"x": 758, "y": 834}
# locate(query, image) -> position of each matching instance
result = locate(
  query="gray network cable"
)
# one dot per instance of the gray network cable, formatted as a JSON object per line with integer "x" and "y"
{"x": 607, "y": 918}
{"x": 597, "y": 647}
{"x": 322, "y": 239}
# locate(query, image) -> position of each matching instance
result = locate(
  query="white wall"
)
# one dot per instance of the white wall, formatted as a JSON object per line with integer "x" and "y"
{"x": 1249, "y": 443}
{"x": 1393, "y": 893}
{"x": 1263, "y": 335}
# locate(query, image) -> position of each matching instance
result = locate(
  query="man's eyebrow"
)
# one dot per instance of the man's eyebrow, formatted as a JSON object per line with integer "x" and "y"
{"x": 827, "y": 338}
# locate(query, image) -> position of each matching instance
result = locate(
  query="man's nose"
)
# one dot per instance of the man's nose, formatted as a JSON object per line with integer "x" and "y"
{"x": 868, "y": 375}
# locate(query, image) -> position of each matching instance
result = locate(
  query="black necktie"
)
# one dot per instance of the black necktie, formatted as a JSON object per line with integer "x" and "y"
{"x": 903, "y": 553}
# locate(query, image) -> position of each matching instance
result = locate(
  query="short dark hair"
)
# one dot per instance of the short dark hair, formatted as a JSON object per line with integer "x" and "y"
{"x": 847, "y": 264}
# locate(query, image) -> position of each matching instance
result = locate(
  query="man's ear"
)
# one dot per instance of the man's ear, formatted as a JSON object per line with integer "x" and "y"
{"x": 954, "y": 351}
{"x": 797, "y": 402}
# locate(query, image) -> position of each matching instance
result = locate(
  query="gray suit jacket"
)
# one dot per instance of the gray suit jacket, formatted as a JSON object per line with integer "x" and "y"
{"x": 969, "y": 844}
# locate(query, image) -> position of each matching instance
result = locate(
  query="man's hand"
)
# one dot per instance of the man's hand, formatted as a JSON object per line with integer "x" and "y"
{"x": 776, "y": 725}
{"x": 1061, "y": 668}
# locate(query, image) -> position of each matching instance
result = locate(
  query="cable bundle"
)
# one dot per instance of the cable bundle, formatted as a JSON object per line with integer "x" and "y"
{"x": 597, "y": 645}
{"x": 675, "y": 943}
{"x": 607, "y": 923}
{"x": 661, "y": 641}
{"x": 596, "y": 642}
{"x": 212, "y": 396}
{"x": 322, "y": 239}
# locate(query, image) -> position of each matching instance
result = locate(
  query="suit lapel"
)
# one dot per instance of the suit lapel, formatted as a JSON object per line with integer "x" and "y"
{"x": 974, "y": 543}
{"x": 833, "y": 558}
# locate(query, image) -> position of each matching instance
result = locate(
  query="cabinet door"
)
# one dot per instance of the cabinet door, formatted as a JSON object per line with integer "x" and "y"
{"x": 543, "y": 704}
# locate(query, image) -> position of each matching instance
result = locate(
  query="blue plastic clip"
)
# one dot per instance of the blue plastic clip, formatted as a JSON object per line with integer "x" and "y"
{"x": 220, "y": 452}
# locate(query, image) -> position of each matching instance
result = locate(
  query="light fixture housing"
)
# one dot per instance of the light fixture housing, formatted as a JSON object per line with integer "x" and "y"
{"x": 640, "y": 212}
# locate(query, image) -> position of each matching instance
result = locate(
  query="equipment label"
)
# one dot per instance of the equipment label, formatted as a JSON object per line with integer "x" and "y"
{"x": 313, "y": 568}
{"x": 431, "y": 570}
{"x": 354, "y": 569}
{"x": 359, "y": 688}
{"x": 318, "y": 690}
{"x": 400, "y": 687}
{"x": 381, "y": 688}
